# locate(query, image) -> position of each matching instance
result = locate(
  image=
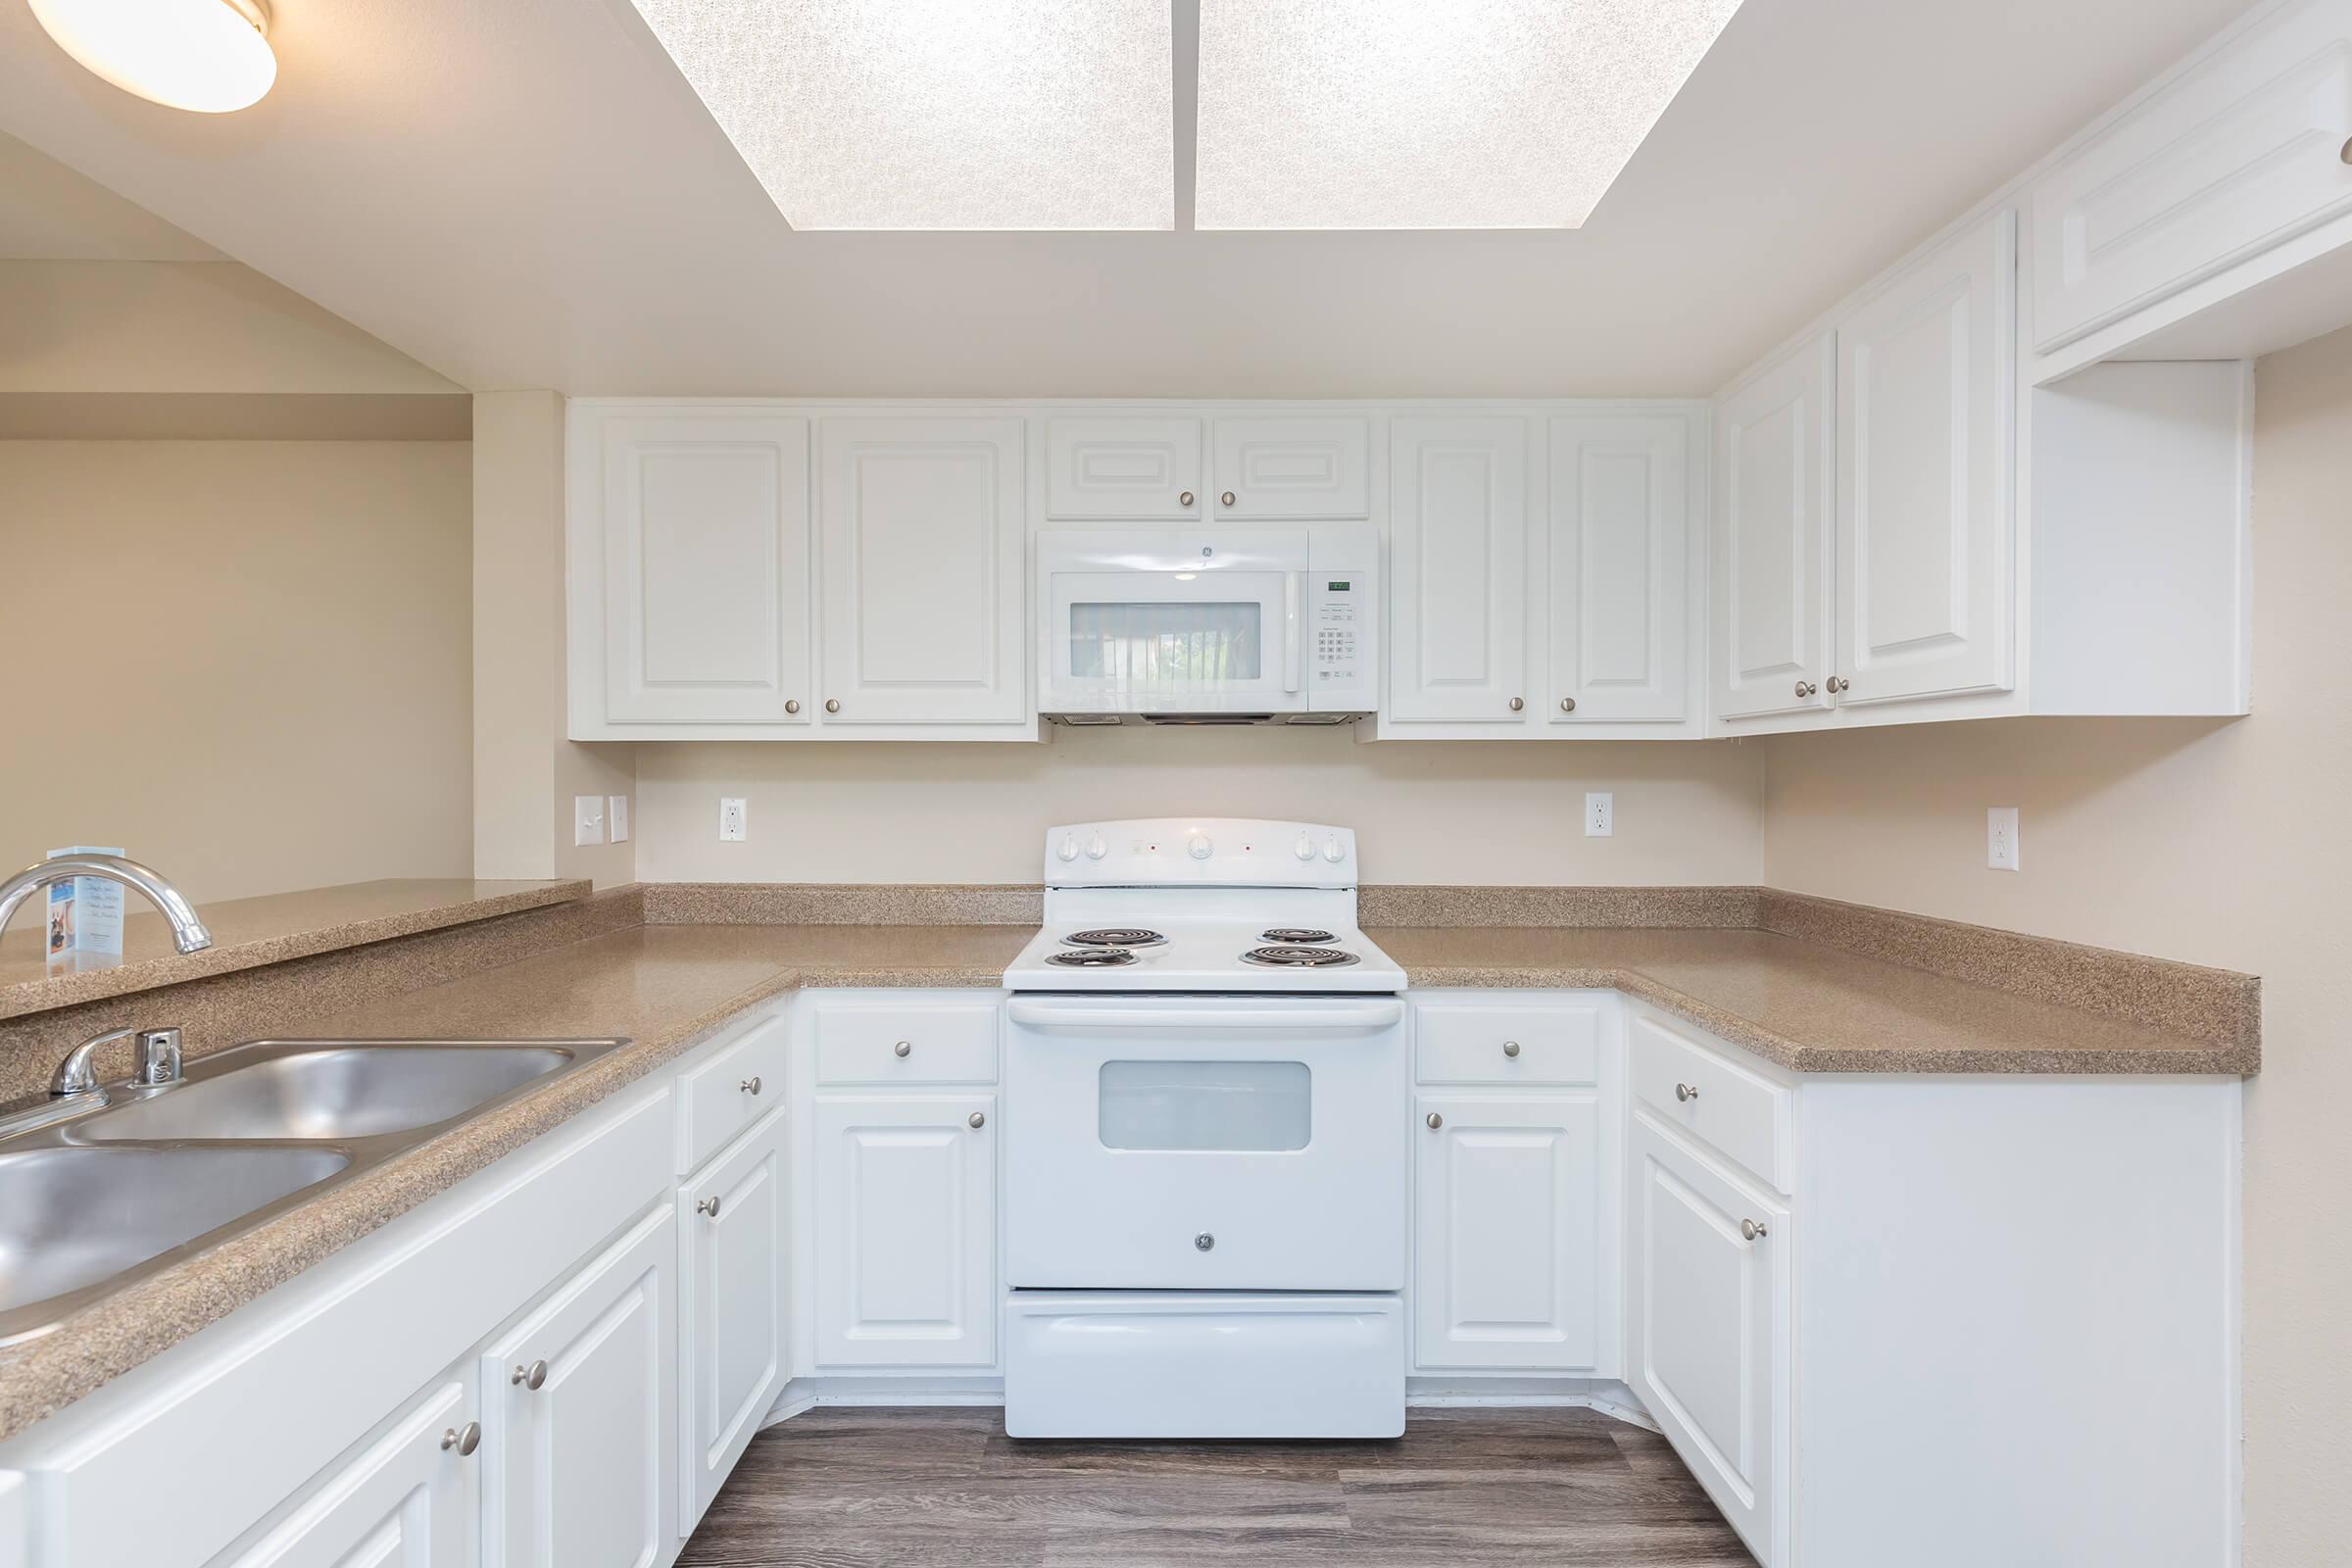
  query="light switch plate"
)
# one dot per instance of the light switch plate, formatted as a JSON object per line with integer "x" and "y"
{"x": 618, "y": 815}
{"x": 2001, "y": 837}
{"x": 734, "y": 820}
{"x": 587, "y": 819}
{"x": 1601, "y": 815}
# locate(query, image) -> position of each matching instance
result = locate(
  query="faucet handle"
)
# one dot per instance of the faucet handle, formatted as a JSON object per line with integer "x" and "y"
{"x": 77, "y": 1074}
{"x": 159, "y": 1057}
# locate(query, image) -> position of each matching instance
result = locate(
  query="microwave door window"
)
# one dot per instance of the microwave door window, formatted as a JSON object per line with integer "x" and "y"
{"x": 1167, "y": 647}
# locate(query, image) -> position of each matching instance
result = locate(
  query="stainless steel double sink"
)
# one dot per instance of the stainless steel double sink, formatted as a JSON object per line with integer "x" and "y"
{"x": 92, "y": 1202}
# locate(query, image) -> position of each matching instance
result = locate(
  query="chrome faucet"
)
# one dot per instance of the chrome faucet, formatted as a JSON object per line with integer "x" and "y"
{"x": 187, "y": 932}
{"x": 158, "y": 1064}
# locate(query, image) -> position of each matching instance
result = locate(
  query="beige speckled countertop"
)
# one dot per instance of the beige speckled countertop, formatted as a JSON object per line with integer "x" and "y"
{"x": 248, "y": 933}
{"x": 1804, "y": 1005}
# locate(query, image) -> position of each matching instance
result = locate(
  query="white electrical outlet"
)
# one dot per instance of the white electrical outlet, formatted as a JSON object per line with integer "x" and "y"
{"x": 1601, "y": 815}
{"x": 734, "y": 820}
{"x": 587, "y": 819}
{"x": 2001, "y": 837}
{"x": 619, "y": 816}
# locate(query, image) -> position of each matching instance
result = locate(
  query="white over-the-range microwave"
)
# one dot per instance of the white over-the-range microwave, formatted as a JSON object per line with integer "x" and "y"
{"x": 1209, "y": 625}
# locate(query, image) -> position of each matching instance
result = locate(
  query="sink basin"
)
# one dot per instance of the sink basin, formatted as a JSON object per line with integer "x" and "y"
{"x": 74, "y": 1217}
{"x": 336, "y": 1089}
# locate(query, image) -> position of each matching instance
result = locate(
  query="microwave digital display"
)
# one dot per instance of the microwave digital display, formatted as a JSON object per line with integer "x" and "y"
{"x": 1335, "y": 587}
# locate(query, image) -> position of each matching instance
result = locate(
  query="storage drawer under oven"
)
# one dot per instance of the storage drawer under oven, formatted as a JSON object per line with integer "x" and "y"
{"x": 1214, "y": 1143}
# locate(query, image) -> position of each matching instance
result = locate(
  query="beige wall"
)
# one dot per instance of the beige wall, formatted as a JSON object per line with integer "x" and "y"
{"x": 525, "y": 771}
{"x": 1458, "y": 811}
{"x": 2216, "y": 842}
{"x": 242, "y": 661}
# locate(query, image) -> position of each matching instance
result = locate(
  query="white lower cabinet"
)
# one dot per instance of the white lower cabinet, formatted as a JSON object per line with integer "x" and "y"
{"x": 733, "y": 1254}
{"x": 1506, "y": 1222}
{"x": 578, "y": 1437}
{"x": 1707, "y": 1326}
{"x": 907, "y": 1231}
{"x": 410, "y": 1499}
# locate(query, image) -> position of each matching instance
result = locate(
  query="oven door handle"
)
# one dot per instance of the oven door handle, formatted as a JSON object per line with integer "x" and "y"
{"x": 1039, "y": 1012}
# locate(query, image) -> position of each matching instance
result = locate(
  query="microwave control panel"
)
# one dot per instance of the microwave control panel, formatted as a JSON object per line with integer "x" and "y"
{"x": 1342, "y": 599}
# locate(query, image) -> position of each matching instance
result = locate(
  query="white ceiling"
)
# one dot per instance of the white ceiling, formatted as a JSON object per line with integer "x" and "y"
{"x": 526, "y": 193}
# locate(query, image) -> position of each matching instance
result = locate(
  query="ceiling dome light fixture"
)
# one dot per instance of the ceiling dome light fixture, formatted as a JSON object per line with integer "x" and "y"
{"x": 211, "y": 56}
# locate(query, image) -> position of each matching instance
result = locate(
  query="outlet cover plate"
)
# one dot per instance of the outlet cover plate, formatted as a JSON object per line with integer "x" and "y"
{"x": 2001, "y": 837}
{"x": 734, "y": 820}
{"x": 1601, "y": 815}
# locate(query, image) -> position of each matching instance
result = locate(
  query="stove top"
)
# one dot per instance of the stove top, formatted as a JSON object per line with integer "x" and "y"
{"x": 1205, "y": 953}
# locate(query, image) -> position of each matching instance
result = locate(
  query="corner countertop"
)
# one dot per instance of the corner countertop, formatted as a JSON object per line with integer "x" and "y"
{"x": 249, "y": 932}
{"x": 1804, "y": 1005}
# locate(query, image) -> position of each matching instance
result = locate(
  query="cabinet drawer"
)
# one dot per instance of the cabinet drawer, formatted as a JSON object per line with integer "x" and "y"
{"x": 728, "y": 1093}
{"x": 2240, "y": 154}
{"x": 1702, "y": 1091}
{"x": 946, "y": 1043}
{"x": 1465, "y": 1045}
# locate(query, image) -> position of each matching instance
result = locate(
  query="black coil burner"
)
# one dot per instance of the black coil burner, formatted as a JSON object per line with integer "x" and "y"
{"x": 1296, "y": 958}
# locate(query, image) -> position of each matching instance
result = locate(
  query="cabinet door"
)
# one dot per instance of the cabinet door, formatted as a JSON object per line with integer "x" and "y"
{"x": 1707, "y": 1330}
{"x": 1457, "y": 527}
{"x": 579, "y": 1425}
{"x": 1926, "y": 400}
{"x": 923, "y": 542}
{"x": 906, "y": 1232}
{"x": 1293, "y": 468}
{"x": 1620, "y": 589}
{"x": 404, "y": 1501}
{"x": 1774, "y": 538}
{"x": 706, "y": 532}
{"x": 732, "y": 1283}
{"x": 1507, "y": 1220}
{"x": 1124, "y": 468}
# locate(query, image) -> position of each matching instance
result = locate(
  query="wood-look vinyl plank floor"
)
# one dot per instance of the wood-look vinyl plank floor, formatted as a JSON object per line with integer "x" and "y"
{"x": 1461, "y": 1489}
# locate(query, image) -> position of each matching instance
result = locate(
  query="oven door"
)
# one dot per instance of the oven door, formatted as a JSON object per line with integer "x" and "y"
{"x": 1203, "y": 622}
{"x": 1206, "y": 1143}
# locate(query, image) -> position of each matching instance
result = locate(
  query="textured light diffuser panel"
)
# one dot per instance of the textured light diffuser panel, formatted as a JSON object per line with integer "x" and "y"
{"x": 1432, "y": 113}
{"x": 940, "y": 114}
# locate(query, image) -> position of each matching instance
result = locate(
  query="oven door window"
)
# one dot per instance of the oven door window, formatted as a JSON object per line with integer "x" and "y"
{"x": 1230, "y": 1107}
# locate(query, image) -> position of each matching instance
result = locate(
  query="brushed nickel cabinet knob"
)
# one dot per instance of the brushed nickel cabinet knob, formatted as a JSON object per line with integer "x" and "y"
{"x": 708, "y": 1205}
{"x": 2345, "y": 151}
{"x": 905, "y": 1047}
{"x": 750, "y": 1084}
{"x": 792, "y": 704}
{"x": 1751, "y": 1231}
{"x": 464, "y": 1439}
{"x": 1686, "y": 1091}
{"x": 1805, "y": 688}
{"x": 1567, "y": 705}
{"x": 1839, "y": 683}
{"x": 1226, "y": 499}
{"x": 532, "y": 1377}
{"x": 1510, "y": 1047}
{"x": 977, "y": 1119}
{"x": 832, "y": 705}
{"x": 1185, "y": 500}
{"x": 1434, "y": 1121}
{"x": 1518, "y": 703}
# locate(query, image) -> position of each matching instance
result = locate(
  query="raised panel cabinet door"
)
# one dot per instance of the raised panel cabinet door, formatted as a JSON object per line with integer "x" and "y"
{"x": 1124, "y": 466}
{"x": 924, "y": 535}
{"x": 1457, "y": 559}
{"x": 578, "y": 1431}
{"x": 1774, "y": 538}
{"x": 1707, "y": 1330}
{"x": 1293, "y": 468}
{"x": 907, "y": 1231}
{"x": 1620, "y": 589}
{"x": 1507, "y": 1238}
{"x": 2241, "y": 154}
{"x": 733, "y": 1268}
{"x": 1926, "y": 430}
{"x": 706, "y": 532}
{"x": 409, "y": 1499}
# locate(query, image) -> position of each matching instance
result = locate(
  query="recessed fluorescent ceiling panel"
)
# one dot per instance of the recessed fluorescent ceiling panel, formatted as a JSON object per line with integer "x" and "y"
{"x": 1432, "y": 113}
{"x": 940, "y": 114}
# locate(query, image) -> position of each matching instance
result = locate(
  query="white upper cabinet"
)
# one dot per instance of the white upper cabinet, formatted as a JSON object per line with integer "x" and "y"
{"x": 1926, "y": 426}
{"x": 1620, "y": 583}
{"x": 1293, "y": 468}
{"x": 923, "y": 544}
{"x": 1124, "y": 466}
{"x": 1457, "y": 566}
{"x": 706, "y": 569}
{"x": 2227, "y": 176}
{"x": 1772, "y": 551}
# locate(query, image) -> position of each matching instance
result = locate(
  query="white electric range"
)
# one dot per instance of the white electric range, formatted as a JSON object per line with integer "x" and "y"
{"x": 1206, "y": 1095}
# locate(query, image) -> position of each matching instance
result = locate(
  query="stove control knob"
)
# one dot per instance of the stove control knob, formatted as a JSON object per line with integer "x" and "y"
{"x": 1305, "y": 847}
{"x": 1095, "y": 848}
{"x": 1069, "y": 846}
{"x": 1333, "y": 853}
{"x": 1201, "y": 847}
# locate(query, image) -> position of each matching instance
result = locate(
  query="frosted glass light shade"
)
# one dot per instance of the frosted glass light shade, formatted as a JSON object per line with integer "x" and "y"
{"x": 1432, "y": 113}
{"x": 940, "y": 114}
{"x": 209, "y": 55}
